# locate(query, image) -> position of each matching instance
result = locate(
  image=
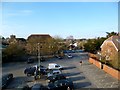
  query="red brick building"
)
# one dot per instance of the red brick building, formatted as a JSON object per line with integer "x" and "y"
{"x": 111, "y": 47}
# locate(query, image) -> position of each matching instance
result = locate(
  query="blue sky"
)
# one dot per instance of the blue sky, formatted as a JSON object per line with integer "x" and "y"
{"x": 80, "y": 19}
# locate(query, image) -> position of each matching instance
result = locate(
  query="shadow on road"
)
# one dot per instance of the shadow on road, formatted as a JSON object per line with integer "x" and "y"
{"x": 66, "y": 68}
{"x": 17, "y": 81}
{"x": 82, "y": 85}
{"x": 72, "y": 74}
{"x": 77, "y": 78}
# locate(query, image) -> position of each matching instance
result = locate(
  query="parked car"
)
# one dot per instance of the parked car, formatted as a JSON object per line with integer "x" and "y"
{"x": 38, "y": 87}
{"x": 54, "y": 66}
{"x": 63, "y": 84}
{"x": 23, "y": 87}
{"x": 56, "y": 77}
{"x": 53, "y": 72}
{"x": 43, "y": 70}
{"x": 30, "y": 71}
{"x": 69, "y": 55}
{"x": 59, "y": 57}
{"x": 42, "y": 59}
{"x": 30, "y": 60}
{"x": 6, "y": 79}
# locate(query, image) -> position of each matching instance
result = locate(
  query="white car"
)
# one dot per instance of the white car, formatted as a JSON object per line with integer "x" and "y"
{"x": 54, "y": 72}
{"x": 69, "y": 56}
{"x": 54, "y": 66}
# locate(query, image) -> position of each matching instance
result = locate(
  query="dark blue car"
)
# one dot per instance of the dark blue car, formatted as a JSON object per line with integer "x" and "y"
{"x": 6, "y": 79}
{"x": 30, "y": 71}
{"x": 63, "y": 84}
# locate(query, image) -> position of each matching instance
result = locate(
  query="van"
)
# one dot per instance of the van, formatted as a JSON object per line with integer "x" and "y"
{"x": 54, "y": 66}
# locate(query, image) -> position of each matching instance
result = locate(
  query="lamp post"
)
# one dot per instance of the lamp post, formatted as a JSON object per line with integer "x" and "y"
{"x": 39, "y": 59}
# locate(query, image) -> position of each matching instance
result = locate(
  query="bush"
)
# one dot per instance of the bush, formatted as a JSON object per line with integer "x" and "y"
{"x": 103, "y": 61}
{"x": 94, "y": 56}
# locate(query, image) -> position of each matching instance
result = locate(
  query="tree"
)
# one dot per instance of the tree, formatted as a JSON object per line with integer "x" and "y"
{"x": 59, "y": 44}
{"x": 47, "y": 46}
{"x": 109, "y": 34}
{"x": 13, "y": 51}
{"x": 115, "y": 62}
{"x": 58, "y": 38}
{"x": 70, "y": 39}
{"x": 93, "y": 45}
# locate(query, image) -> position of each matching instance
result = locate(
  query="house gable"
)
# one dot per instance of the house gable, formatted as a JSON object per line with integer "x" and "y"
{"x": 114, "y": 40}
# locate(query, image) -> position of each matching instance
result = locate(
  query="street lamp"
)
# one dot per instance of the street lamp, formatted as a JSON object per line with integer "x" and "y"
{"x": 38, "y": 55}
{"x": 39, "y": 58}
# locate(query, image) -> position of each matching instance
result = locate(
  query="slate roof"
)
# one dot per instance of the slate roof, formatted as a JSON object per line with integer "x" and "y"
{"x": 39, "y": 36}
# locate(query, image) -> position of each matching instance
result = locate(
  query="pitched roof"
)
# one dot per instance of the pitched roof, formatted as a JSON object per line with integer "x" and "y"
{"x": 21, "y": 39}
{"x": 115, "y": 40}
{"x": 39, "y": 36}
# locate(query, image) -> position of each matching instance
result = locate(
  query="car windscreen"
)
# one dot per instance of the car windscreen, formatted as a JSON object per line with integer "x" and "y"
{"x": 57, "y": 65}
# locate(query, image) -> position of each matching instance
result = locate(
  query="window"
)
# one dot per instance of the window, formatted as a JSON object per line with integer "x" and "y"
{"x": 57, "y": 66}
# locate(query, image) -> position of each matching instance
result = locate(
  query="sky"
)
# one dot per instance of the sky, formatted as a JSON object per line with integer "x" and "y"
{"x": 79, "y": 19}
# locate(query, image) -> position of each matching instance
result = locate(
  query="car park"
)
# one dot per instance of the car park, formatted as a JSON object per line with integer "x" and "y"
{"x": 53, "y": 72}
{"x": 56, "y": 77}
{"x": 6, "y": 79}
{"x": 54, "y": 66}
{"x": 63, "y": 84}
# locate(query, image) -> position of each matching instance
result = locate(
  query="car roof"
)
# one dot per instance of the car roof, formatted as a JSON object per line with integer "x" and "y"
{"x": 59, "y": 82}
{"x": 52, "y": 63}
{"x": 55, "y": 76}
{"x": 57, "y": 70}
{"x": 62, "y": 81}
{"x": 37, "y": 86}
{"x": 53, "y": 71}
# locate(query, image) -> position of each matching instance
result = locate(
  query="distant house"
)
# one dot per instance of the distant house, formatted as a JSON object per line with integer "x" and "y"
{"x": 72, "y": 46}
{"x": 39, "y": 36}
{"x": 13, "y": 39}
{"x": 110, "y": 47}
{"x": 4, "y": 44}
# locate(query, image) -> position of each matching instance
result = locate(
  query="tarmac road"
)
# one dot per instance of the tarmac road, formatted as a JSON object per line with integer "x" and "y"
{"x": 83, "y": 76}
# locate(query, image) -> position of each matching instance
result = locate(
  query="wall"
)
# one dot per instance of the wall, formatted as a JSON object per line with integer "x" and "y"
{"x": 109, "y": 70}
{"x": 95, "y": 62}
